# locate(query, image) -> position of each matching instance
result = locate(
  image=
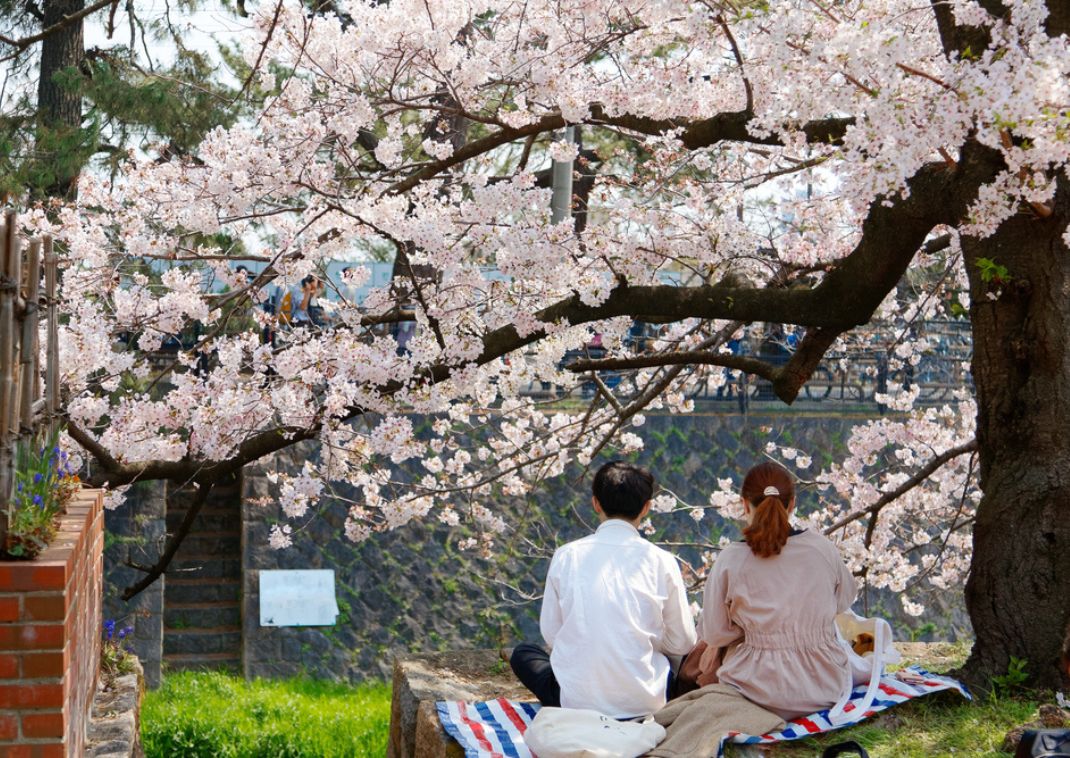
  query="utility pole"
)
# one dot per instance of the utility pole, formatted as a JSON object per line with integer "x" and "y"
{"x": 561, "y": 177}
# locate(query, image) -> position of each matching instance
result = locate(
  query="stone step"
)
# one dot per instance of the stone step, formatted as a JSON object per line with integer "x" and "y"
{"x": 175, "y": 515}
{"x": 222, "y": 483}
{"x": 218, "y": 544}
{"x": 230, "y": 523}
{"x": 192, "y": 617}
{"x": 210, "y": 604}
{"x": 204, "y": 568}
{"x": 226, "y": 639}
{"x": 203, "y": 661}
{"x": 185, "y": 589}
{"x": 230, "y": 505}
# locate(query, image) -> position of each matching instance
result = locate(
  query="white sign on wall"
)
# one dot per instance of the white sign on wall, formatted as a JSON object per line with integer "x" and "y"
{"x": 297, "y": 598}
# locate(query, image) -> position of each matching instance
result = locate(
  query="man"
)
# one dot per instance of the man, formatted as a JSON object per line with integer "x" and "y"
{"x": 615, "y": 606}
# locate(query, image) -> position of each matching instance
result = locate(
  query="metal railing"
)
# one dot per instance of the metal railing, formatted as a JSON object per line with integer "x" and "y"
{"x": 855, "y": 376}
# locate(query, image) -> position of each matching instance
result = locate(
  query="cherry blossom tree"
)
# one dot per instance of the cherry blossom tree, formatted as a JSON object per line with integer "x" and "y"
{"x": 821, "y": 165}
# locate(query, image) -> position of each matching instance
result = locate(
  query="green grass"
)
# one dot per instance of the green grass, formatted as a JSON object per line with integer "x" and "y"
{"x": 944, "y": 724}
{"x": 215, "y": 714}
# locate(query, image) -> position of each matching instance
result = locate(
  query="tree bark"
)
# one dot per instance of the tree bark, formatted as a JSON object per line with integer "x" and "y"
{"x": 60, "y": 110}
{"x": 1018, "y": 592}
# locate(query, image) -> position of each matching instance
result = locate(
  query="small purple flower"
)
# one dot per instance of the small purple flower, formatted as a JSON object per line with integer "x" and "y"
{"x": 38, "y": 501}
{"x": 109, "y": 628}
{"x": 37, "y": 478}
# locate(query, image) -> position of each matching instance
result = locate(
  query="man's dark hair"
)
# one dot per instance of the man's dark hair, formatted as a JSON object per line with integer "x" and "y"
{"x": 622, "y": 489}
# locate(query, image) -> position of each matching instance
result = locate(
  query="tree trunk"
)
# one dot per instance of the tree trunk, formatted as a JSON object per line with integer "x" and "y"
{"x": 1018, "y": 592}
{"x": 59, "y": 109}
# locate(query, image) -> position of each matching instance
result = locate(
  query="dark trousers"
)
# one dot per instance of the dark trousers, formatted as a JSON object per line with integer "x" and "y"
{"x": 531, "y": 664}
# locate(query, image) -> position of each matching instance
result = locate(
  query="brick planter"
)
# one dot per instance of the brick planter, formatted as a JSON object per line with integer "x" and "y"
{"x": 50, "y": 626}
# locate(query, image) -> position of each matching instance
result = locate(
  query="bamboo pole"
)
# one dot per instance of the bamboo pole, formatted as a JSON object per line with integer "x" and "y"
{"x": 6, "y": 472}
{"x": 29, "y": 347}
{"x": 8, "y": 285}
{"x": 52, "y": 356}
{"x": 15, "y": 267}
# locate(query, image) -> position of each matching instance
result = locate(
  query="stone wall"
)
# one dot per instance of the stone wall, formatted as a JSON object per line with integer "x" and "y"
{"x": 413, "y": 590}
{"x": 50, "y": 637}
{"x": 115, "y": 720}
{"x": 135, "y": 534}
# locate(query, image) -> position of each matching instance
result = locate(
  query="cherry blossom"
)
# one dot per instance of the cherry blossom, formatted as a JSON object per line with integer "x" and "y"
{"x": 422, "y": 130}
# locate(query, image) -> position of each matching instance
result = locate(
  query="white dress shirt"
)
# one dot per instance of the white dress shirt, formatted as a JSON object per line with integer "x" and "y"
{"x": 615, "y": 606}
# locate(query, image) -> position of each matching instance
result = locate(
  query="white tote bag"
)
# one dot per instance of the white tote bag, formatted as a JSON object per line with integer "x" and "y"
{"x": 577, "y": 733}
{"x": 862, "y": 668}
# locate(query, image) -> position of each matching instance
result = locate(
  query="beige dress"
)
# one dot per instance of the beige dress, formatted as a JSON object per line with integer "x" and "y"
{"x": 781, "y": 611}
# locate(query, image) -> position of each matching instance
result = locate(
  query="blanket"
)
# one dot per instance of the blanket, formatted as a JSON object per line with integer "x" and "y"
{"x": 495, "y": 729}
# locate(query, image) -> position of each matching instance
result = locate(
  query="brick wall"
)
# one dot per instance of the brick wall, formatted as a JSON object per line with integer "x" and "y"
{"x": 50, "y": 622}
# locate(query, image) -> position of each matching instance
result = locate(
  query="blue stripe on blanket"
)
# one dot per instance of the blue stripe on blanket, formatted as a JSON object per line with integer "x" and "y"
{"x": 504, "y": 737}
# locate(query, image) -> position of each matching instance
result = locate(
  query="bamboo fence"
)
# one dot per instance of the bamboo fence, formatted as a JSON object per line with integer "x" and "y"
{"x": 25, "y": 406}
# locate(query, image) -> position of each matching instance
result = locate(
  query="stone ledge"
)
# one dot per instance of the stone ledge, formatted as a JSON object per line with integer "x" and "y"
{"x": 115, "y": 721}
{"x": 420, "y": 680}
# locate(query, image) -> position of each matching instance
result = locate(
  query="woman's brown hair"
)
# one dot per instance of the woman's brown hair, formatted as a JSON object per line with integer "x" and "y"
{"x": 769, "y": 529}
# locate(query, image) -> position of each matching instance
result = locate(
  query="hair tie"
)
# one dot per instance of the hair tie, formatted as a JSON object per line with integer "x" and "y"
{"x": 771, "y": 492}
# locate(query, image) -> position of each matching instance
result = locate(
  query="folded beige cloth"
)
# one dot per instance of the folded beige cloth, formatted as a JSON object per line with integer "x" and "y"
{"x": 696, "y": 722}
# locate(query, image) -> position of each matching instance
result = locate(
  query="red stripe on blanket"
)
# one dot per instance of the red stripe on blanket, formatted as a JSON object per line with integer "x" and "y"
{"x": 477, "y": 731}
{"x": 808, "y": 725}
{"x": 509, "y": 711}
{"x": 893, "y": 691}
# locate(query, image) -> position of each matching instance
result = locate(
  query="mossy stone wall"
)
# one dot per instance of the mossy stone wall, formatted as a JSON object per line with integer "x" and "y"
{"x": 413, "y": 590}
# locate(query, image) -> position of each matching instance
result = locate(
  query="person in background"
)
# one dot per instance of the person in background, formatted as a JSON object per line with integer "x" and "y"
{"x": 305, "y": 308}
{"x": 615, "y": 607}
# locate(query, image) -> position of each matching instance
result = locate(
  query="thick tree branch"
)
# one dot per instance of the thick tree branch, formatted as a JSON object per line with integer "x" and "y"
{"x": 956, "y": 39}
{"x": 153, "y": 572}
{"x": 476, "y": 148}
{"x": 795, "y": 373}
{"x": 682, "y": 358}
{"x": 22, "y": 43}
{"x": 724, "y": 127}
{"x": 114, "y": 473}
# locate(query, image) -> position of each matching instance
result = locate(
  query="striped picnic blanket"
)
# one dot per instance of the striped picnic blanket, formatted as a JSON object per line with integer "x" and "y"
{"x": 495, "y": 729}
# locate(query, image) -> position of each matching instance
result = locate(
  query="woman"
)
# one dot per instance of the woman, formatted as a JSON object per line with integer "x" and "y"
{"x": 771, "y": 602}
